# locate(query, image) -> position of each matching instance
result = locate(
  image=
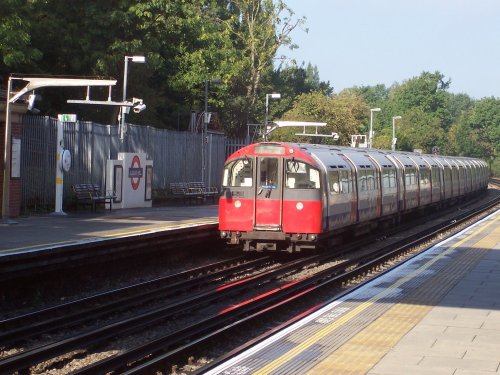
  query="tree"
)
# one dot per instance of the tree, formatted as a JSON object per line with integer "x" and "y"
{"x": 342, "y": 113}
{"x": 374, "y": 96}
{"x": 477, "y": 132}
{"x": 419, "y": 130}
{"x": 16, "y": 49}
{"x": 258, "y": 28}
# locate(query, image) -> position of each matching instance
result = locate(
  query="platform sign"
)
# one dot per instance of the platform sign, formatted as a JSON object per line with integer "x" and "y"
{"x": 67, "y": 118}
{"x": 131, "y": 178}
{"x": 15, "y": 159}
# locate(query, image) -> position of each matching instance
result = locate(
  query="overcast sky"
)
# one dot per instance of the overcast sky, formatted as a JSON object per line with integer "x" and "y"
{"x": 367, "y": 42}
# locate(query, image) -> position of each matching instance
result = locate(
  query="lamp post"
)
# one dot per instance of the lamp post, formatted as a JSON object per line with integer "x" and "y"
{"x": 394, "y": 139}
{"x": 204, "y": 131}
{"x": 274, "y": 95}
{"x": 370, "y": 136}
{"x": 124, "y": 110}
{"x": 7, "y": 161}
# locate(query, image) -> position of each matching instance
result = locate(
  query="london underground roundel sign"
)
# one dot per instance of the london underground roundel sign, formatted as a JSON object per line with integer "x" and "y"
{"x": 135, "y": 172}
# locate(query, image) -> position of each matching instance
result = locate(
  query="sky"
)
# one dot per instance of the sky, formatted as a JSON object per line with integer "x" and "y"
{"x": 370, "y": 42}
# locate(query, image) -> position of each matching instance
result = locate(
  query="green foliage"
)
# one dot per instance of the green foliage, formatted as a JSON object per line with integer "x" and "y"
{"x": 477, "y": 131}
{"x": 189, "y": 42}
{"x": 15, "y": 36}
{"x": 342, "y": 113}
{"x": 419, "y": 130}
{"x": 374, "y": 96}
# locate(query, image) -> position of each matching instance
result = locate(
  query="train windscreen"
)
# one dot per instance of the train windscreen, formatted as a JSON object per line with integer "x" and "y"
{"x": 238, "y": 173}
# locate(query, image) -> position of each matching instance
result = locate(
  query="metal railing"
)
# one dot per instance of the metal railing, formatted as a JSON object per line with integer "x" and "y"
{"x": 176, "y": 156}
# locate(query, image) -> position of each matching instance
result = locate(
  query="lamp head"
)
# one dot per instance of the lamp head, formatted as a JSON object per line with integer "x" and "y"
{"x": 137, "y": 58}
{"x": 138, "y": 105}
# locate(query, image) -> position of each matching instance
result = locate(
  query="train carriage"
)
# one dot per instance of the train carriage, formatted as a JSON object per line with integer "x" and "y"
{"x": 284, "y": 196}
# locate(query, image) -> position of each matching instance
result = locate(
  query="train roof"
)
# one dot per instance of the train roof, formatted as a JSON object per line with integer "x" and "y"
{"x": 330, "y": 153}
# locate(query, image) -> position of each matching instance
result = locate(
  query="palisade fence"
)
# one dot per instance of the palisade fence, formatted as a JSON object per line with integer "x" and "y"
{"x": 176, "y": 156}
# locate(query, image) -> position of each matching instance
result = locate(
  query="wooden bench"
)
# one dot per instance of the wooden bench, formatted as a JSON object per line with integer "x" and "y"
{"x": 207, "y": 192}
{"x": 90, "y": 195}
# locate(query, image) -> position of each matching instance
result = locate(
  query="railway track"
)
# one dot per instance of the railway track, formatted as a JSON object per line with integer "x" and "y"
{"x": 51, "y": 260}
{"x": 239, "y": 301}
{"x": 495, "y": 182}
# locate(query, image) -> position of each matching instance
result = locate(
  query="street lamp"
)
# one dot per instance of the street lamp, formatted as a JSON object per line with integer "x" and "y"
{"x": 274, "y": 95}
{"x": 370, "y": 136}
{"x": 124, "y": 110}
{"x": 204, "y": 131}
{"x": 394, "y": 139}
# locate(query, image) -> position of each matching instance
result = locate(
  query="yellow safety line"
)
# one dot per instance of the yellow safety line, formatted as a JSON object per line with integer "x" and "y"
{"x": 278, "y": 362}
{"x": 367, "y": 347}
{"x": 108, "y": 235}
{"x": 173, "y": 226}
{"x": 36, "y": 246}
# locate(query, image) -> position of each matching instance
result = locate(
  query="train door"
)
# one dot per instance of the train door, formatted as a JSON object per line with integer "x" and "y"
{"x": 378, "y": 183}
{"x": 353, "y": 188}
{"x": 268, "y": 194}
{"x": 401, "y": 190}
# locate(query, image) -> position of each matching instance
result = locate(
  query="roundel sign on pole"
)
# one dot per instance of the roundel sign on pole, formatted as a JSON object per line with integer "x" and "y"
{"x": 66, "y": 161}
{"x": 135, "y": 172}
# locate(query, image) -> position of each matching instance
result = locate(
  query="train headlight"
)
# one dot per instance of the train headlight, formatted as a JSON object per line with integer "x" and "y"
{"x": 223, "y": 234}
{"x": 237, "y": 204}
{"x": 299, "y": 206}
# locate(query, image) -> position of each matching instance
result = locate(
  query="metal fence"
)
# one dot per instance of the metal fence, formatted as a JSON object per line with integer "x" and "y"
{"x": 177, "y": 156}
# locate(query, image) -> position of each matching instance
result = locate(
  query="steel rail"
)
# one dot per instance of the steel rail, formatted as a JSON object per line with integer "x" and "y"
{"x": 34, "y": 356}
{"x": 79, "y": 311}
{"x": 130, "y": 325}
{"x": 25, "y": 264}
{"x": 221, "y": 323}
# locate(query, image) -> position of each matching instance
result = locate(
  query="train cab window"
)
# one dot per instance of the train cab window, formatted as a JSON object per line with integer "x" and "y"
{"x": 238, "y": 173}
{"x": 300, "y": 175}
{"x": 268, "y": 178}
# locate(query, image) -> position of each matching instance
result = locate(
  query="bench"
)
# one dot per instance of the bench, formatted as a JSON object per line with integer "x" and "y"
{"x": 210, "y": 192}
{"x": 183, "y": 191}
{"x": 192, "y": 190}
{"x": 90, "y": 195}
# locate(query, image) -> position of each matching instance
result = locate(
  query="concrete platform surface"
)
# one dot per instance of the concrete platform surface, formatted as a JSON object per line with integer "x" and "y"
{"x": 41, "y": 231}
{"x": 438, "y": 313}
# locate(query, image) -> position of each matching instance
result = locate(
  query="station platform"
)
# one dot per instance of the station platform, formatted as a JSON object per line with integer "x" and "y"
{"x": 438, "y": 313}
{"x": 43, "y": 231}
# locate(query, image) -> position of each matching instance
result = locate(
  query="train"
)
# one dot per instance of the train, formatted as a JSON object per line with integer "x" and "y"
{"x": 278, "y": 196}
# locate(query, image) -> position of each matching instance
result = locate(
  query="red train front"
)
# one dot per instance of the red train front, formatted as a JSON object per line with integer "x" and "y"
{"x": 271, "y": 198}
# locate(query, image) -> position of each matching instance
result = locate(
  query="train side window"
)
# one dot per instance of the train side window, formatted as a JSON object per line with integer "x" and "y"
{"x": 386, "y": 182}
{"x": 345, "y": 182}
{"x": 370, "y": 180}
{"x": 333, "y": 178}
{"x": 424, "y": 176}
{"x": 362, "y": 180}
{"x": 410, "y": 177}
{"x": 314, "y": 178}
{"x": 300, "y": 175}
{"x": 392, "y": 178}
